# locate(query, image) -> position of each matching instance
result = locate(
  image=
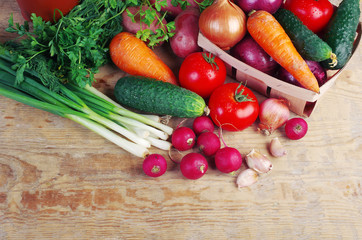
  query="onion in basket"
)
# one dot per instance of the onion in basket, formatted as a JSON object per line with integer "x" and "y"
{"x": 318, "y": 71}
{"x": 249, "y": 52}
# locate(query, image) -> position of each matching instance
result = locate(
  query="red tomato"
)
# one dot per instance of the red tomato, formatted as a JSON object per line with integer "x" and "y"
{"x": 315, "y": 14}
{"x": 45, "y": 8}
{"x": 233, "y": 107}
{"x": 202, "y": 73}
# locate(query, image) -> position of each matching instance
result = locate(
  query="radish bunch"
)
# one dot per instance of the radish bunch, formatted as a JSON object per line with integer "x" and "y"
{"x": 201, "y": 143}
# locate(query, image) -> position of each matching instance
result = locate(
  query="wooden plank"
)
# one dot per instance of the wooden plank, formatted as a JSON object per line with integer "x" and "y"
{"x": 59, "y": 180}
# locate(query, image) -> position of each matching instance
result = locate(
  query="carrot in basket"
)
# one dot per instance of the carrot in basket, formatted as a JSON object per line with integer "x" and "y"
{"x": 270, "y": 35}
{"x": 134, "y": 57}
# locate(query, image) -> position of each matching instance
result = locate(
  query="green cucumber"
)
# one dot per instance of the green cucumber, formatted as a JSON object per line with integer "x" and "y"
{"x": 341, "y": 32}
{"x": 309, "y": 45}
{"x": 157, "y": 97}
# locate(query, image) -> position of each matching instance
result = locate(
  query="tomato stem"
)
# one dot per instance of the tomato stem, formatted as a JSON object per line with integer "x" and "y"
{"x": 211, "y": 60}
{"x": 240, "y": 97}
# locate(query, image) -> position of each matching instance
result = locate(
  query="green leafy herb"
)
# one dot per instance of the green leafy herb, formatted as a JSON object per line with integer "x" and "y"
{"x": 75, "y": 46}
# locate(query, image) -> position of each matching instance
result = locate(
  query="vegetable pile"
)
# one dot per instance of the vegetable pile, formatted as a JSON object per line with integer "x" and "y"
{"x": 51, "y": 66}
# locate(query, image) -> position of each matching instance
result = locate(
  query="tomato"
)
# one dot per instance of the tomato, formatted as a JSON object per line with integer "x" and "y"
{"x": 315, "y": 14}
{"x": 202, "y": 73}
{"x": 233, "y": 107}
{"x": 45, "y": 8}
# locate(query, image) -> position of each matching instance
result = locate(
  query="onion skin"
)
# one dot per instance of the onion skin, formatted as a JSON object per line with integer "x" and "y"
{"x": 273, "y": 113}
{"x": 223, "y": 23}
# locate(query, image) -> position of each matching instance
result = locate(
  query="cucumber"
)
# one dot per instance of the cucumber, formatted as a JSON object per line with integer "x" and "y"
{"x": 341, "y": 32}
{"x": 157, "y": 97}
{"x": 309, "y": 45}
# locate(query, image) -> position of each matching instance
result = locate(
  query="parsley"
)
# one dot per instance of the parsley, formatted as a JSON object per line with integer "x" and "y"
{"x": 77, "y": 45}
{"x": 74, "y": 47}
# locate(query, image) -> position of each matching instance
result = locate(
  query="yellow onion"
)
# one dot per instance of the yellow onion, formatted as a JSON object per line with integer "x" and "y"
{"x": 223, "y": 23}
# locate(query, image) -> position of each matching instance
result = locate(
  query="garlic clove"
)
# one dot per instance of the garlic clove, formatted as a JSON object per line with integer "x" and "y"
{"x": 276, "y": 148}
{"x": 246, "y": 178}
{"x": 258, "y": 162}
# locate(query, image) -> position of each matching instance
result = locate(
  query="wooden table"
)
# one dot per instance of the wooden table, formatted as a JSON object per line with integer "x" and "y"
{"x": 59, "y": 180}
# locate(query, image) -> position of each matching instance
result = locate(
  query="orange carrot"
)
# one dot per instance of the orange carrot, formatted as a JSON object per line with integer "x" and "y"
{"x": 134, "y": 57}
{"x": 270, "y": 35}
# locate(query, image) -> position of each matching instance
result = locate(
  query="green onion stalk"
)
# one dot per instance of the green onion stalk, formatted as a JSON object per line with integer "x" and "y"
{"x": 86, "y": 106}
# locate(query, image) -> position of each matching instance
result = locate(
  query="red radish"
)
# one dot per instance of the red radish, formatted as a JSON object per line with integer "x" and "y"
{"x": 154, "y": 165}
{"x": 193, "y": 166}
{"x": 296, "y": 128}
{"x": 183, "y": 138}
{"x": 208, "y": 143}
{"x": 176, "y": 155}
{"x": 228, "y": 159}
{"x": 202, "y": 124}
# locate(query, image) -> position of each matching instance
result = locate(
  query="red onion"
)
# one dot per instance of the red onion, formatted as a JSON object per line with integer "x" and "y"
{"x": 273, "y": 113}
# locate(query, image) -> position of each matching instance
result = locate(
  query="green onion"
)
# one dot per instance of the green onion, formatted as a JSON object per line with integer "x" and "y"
{"x": 131, "y": 131}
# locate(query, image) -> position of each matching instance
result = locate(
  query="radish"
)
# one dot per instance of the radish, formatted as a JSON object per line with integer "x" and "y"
{"x": 193, "y": 166}
{"x": 208, "y": 143}
{"x": 183, "y": 138}
{"x": 202, "y": 124}
{"x": 296, "y": 128}
{"x": 228, "y": 159}
{"x": 154, "y": 165}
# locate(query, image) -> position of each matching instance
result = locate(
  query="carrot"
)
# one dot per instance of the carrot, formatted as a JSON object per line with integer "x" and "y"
{"x": 270, "y": 35}
{"x": 134, "y": 57}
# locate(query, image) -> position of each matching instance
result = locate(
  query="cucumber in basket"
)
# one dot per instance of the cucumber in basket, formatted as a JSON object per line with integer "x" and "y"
{"x": 341, "y": 32}
{"x": 308, "y": 44}
{"x": 158, "y": 97}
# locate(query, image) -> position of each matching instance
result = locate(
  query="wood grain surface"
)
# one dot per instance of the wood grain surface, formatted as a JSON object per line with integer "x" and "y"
{"x": 59, "y": 180}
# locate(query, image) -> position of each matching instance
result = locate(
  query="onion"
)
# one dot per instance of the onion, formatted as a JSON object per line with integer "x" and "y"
{"x": 270, "y": 6}
{"x": 273, "y": 113}
{"x": 318, "y": 71}
{"x": 223, "y": 23}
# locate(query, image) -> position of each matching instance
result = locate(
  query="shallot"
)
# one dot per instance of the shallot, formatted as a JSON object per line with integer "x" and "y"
{"x": 273, "y": 113}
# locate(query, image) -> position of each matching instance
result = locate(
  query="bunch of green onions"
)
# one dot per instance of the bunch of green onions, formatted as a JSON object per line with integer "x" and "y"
{"x": 133, "y": 132}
